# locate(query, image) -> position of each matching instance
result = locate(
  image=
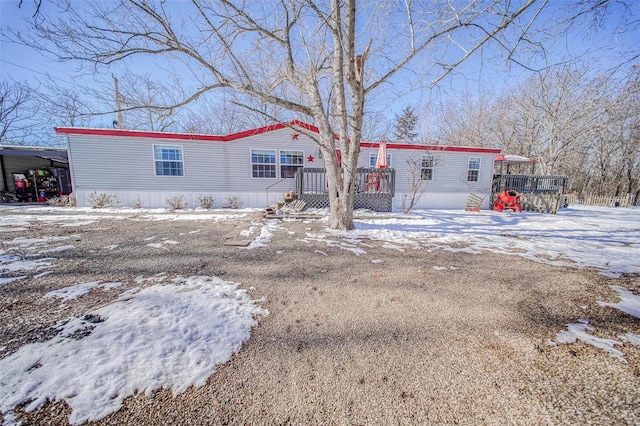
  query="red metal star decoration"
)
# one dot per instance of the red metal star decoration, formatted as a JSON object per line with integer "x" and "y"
{"x": 294, "y": 136}
{"x": 310, "y": 159}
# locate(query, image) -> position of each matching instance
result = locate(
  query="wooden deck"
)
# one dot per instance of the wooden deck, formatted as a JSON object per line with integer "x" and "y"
{"x": 538, "y": 193}
{"x": 374, "y": 190}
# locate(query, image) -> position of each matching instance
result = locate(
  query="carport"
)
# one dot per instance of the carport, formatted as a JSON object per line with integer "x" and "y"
{"x": 21, "y": 159}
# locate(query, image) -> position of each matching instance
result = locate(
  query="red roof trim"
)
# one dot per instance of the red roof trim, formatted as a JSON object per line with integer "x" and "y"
{"x": 136, "y": 134}
{"x": 182, "y": 136}
{"x": 265, "y": 129}
{"x": 253, "y": 132}
{"x": 469, "y": 149}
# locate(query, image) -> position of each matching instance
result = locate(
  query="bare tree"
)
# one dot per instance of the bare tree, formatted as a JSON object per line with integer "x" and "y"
{"x": 228, "y": 116}
{"x": 468, "y": 121}
{"x": 140, "y": 96}
{"x": 36, "y": 3}
{"x": 198, "y": 119}
{"x": 419, "y": 173}
{"x": 65, "y": 106}
{"x": 319, "y": 60}
{"x": 627, "y": 124}
{"x": 375, "y": 126}
{"x": 574, "y": 124}
{"x": 567, "y": 114}
{"x": 18, "y": 112}
{"x": 621, "y": 15}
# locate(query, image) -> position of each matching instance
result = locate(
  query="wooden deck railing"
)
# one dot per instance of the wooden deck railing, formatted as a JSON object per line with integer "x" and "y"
{"x": 374, "y": 188}
{"x": 529, "y": 183}
{"x": 538, "y": 192}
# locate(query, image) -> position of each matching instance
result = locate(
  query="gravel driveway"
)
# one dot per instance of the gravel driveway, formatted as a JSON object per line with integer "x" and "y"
{"x": 384, "y": 338}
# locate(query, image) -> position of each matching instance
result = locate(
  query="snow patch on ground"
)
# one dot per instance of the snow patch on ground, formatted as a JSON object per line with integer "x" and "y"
{"x": 163, "y": 245}
{"x": 629, "y": 303}
{"x": 30, "y": 242}
{"x": 18, "y": 264}
{"x": 164, "y": 336}
{"x": 578, "y": 331}
{"x": 7, "y": 280}
{"x": 348, "y": 244}
{"x": 58, "y": 249}
{"x": 188, "y": 215}
{"x": 267, "y": 230}
{"x": 634, "y": 339}
{"x": 75, "y": 291}
{"x": 168, "y": 329}
{"x": 394, "y": 247}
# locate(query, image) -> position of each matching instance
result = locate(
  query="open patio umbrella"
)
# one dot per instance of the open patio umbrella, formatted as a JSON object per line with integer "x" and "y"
{"x": 381, "y": 161}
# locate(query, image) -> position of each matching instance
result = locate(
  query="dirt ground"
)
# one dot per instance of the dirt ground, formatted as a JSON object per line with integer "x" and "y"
{"x": 352, "y": 342}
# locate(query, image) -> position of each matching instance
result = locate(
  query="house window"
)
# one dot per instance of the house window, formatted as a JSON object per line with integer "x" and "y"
{"x": 474, "y": 169}
{"x": 290, "y": 162}
{"x": 168, "y": 160}
{"x": 373, "y": 158}
{"x": 426, "y": 167}
{"x": 263, "y": 163}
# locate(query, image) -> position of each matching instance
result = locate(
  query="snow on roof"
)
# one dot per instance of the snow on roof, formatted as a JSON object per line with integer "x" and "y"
{"x": 510, "y": 158}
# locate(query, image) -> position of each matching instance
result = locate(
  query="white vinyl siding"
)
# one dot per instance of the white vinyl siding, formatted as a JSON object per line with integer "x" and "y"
{"x": 122, "y": 166}
{"x": 473, "y": 172}
{"x": 263, "y": 163}
{"x": 112, "y": 164}
{"x": 168, "y": 160}
{"x": 449, "y": 176}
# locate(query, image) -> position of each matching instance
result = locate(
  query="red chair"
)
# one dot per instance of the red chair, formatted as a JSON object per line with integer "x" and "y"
{"x": 508, "y": 200}
{"x": 373, "y": 182}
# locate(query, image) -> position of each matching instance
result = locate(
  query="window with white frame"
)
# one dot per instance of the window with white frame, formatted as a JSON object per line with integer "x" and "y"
{"x": 290, "y": 162}
{"x": 263, "y": 163}
{"x": 373, "y": 159}
{"x": 168, "y": 160}
{"x": 426, "y": 167}
{"x": 474, "y": 169}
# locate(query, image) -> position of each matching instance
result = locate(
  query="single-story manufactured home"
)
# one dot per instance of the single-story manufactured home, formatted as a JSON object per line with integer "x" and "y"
{"x": 257, "y": 167}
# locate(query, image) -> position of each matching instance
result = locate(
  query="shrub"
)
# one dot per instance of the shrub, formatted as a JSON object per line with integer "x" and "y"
{"x": 61, "y": 201}
{"x": 206, "y": 201}
{"x": 101, "y": 200}
{"x": 232, "y": 203}
{"x": 176, "y": 202}
{"x": 137, "y": 204}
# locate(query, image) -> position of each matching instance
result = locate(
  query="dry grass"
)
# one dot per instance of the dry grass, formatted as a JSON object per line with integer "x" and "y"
{"x": 351, "y": 342}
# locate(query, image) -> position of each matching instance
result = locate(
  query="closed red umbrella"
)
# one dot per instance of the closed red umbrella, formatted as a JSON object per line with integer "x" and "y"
{"x": 374, "y": 180}
{"x": 381, "y": 161}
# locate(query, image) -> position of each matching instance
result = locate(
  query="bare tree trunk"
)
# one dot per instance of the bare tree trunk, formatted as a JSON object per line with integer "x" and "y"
{"x": 315, "y": 60}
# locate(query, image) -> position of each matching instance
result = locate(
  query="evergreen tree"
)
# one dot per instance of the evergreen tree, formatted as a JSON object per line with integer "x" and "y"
{"x": 404, "y": 131}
